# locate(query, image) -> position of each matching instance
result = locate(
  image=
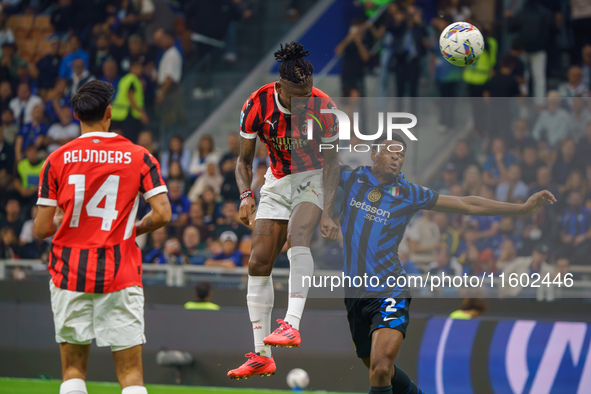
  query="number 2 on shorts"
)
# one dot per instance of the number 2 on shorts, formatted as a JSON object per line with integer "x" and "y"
{"x": 392, "y": 307}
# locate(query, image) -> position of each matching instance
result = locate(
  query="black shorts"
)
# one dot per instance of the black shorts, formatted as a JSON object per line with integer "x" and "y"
{"x": 366, "y": 315}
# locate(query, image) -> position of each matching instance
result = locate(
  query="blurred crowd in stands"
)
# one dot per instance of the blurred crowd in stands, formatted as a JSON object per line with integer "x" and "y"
{"x": 534, "y": 48}
{"x": 49, "y": 48}
{"x": 531, "y": 47}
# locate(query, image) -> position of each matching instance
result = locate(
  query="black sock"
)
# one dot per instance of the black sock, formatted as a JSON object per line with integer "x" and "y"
{"x": 401, "y": 383}
{"x": 380, "y": 390}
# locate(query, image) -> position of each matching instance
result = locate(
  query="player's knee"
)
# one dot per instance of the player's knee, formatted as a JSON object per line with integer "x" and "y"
{"x": 259, "y": 267}
{"x": 299, "y": 237}
{"x": 381, "y": 370}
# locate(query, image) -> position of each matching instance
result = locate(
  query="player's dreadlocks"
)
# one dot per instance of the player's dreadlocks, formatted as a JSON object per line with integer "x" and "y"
{"x": 293, "y": 67}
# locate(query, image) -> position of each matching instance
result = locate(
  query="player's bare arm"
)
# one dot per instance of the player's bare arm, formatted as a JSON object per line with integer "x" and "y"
{"x": 158, "y": 217}
{"x": 472, "y": 205}
{"x": 45, "y": 225}
{"x": 331, "y": 173}
{"x": 244, "y": 178}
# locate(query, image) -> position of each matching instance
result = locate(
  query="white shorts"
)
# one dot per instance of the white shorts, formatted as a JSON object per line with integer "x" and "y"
{"x": 115, "y": 319}
{"x": 280, "y": 196}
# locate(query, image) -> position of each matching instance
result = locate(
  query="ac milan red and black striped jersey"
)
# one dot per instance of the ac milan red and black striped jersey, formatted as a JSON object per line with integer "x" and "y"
{"x": 290, "y": 150}
{"x": 97, "y": 180}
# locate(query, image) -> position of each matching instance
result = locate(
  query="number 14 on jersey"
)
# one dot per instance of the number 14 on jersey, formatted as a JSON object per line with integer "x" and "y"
{"x": 107, "y": 191}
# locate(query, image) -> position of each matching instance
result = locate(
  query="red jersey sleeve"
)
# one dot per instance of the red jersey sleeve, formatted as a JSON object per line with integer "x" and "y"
{"x": 250, "y": 118}
{"x": 332, "y": 124}
{"x": 151, "y": 179}
{"x": 47, "y": 193}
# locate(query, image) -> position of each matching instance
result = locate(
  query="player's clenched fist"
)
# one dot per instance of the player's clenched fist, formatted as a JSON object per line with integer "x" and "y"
{"x": 328, "y": 228}
{"x": 247, "y": 208}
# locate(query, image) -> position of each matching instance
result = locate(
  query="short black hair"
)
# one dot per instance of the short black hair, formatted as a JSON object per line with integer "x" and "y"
{"x": 202, "y": 290}
{"x": 294, "y": 68}
{"x": 91, "y": 101}
{"x": 384, "y": 137}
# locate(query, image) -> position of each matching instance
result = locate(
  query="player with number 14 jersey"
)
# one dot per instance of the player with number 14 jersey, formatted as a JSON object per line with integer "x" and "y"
{"x": 88, "y": 199}
{"x": 94, "y": 178}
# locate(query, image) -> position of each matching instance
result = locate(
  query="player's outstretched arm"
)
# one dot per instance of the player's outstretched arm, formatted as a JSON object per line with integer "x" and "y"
{"x": 158, "y": 217}
{"x": 244, "y": 178}
{"x": 479, "y": 206}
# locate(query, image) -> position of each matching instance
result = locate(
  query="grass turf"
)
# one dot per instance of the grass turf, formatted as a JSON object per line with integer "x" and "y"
{"x": 34, "y": 386}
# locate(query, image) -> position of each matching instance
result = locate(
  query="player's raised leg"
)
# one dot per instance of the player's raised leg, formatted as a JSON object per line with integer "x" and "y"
{"x": 74, "y": 368}
{"x": 303, "y": 223}
{"x": 128, "y": 365}
{"x": 267, "y": 114}
{"x": 268, "y": 238}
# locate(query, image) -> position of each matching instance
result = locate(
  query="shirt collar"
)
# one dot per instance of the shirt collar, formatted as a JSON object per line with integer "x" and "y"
{"x": 104, "y": 134}
{"x": 281, "y": 107}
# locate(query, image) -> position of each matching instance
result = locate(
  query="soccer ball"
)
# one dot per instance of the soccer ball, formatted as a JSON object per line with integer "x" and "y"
{"x": 297, "y": 378}
{"x": 461, "y": 44}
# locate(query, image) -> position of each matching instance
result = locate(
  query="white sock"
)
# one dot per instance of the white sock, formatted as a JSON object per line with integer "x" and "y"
{"x": 134, "y": 390}
{"x": 301, "y": 264}
{"x": 260, "y": 299}
{"x": 73, "y": 386}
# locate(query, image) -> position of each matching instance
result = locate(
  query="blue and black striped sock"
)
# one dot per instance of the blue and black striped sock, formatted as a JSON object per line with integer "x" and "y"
{"x": 380, "y": 390}
{"x": 401, "y": 383}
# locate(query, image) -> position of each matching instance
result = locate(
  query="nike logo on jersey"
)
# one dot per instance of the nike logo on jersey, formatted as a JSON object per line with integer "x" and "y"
{"x": 391, "y": 318}
{"x": 359, "y": 180}
{"x": 272, "y": 124}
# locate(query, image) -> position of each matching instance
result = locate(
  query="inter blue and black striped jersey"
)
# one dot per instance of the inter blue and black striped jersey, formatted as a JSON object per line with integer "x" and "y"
{"x": 373, "y": 221}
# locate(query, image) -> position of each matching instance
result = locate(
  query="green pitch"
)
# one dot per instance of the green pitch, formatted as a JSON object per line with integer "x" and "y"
{"x": 30, "y": 386}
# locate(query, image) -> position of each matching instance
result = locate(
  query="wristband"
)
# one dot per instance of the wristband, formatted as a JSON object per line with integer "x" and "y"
{"x": 245, "y": 194}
